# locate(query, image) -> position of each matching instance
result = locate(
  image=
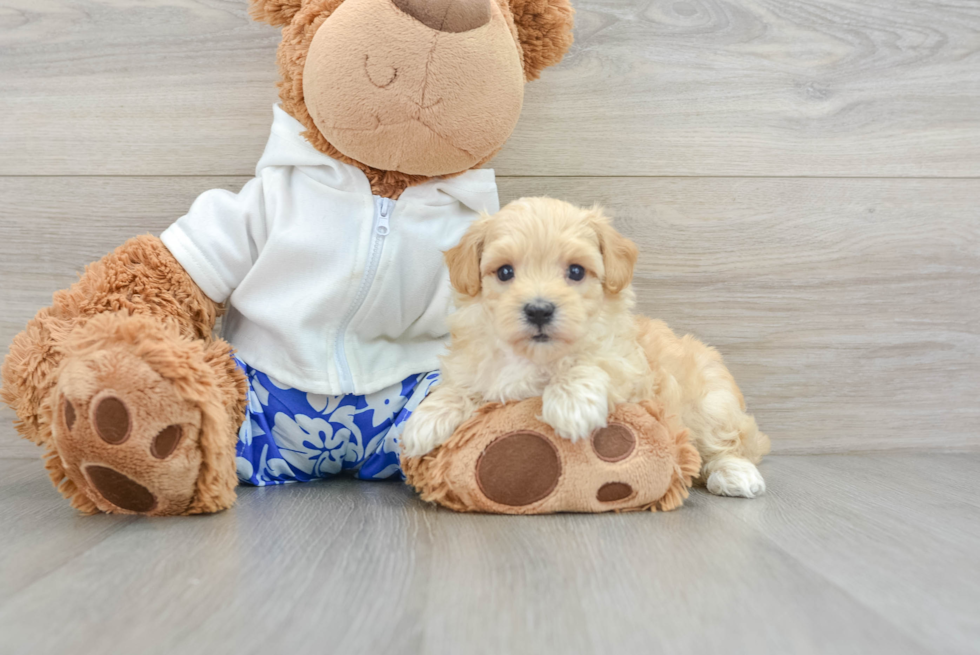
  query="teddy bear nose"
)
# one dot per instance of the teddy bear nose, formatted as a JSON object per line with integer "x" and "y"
{"x": 448, "y": 15}
{"x": 539, "y": 312}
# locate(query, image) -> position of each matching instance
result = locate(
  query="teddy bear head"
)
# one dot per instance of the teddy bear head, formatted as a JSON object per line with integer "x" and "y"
{"x": 407, "y": 90}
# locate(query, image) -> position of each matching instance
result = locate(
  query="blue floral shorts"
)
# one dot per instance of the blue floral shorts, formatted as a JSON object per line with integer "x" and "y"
{"x": 293, "y": 436}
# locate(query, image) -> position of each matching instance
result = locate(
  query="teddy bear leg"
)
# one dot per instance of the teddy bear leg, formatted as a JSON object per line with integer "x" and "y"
{"x": 144, "y": 420}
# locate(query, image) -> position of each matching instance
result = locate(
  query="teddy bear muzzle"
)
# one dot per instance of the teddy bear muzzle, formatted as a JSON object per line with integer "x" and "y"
{"x": 452, "y": 16}
{"x": 422, "y": 88}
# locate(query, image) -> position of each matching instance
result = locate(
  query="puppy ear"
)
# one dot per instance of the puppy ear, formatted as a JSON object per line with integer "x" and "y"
{"x": 618, "y": 253}
{"x": 274, "y": 12}
{"x": 463, "y": 259}
{"x": 544, "y": 28}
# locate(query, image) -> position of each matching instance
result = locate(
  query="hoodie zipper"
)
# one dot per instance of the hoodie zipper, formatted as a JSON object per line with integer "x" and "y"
{"x": 382, "y": 215}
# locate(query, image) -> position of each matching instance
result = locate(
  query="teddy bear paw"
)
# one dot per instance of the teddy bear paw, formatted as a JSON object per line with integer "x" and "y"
{"x": 125, "y": 435}
{"x": 504, "y": 460}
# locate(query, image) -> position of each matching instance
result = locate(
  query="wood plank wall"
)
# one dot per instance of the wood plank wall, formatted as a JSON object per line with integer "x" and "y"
{"x": 803, "y": 178}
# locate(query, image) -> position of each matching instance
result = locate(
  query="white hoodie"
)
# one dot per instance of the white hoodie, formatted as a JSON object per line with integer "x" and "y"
{"x": 330, "y": 289}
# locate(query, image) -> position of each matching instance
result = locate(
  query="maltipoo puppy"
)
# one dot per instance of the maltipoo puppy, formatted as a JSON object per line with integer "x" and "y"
{"x": 544, "y": 308}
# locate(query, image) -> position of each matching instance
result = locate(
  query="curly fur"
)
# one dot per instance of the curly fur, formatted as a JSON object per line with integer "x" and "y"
{"x": 274, "y": 12}
{"x": 202, "y": 372}
{"x": 65, "y": 485}
{"x": 139, "y": 277}
{"x": 139, "y": 298}
{"x": 545, "y": 31}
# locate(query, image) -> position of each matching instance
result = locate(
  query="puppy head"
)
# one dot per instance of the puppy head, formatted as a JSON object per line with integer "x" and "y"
{"x": 543, "y": 270}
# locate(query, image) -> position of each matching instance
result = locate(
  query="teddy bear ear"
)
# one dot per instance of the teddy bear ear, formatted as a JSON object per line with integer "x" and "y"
{"x": 274, "y": 12}
{"x": 544, "y": 28}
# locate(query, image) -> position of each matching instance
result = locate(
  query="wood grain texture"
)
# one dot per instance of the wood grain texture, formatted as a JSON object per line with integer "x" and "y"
{"x": 40, "y": 536}
{"x": 844, "y": 307}
{"x": 845, "y": 554}
{"x": 841, "y": 306}
{"x": 665, "y": 87}
{"x": 12, "y": 446}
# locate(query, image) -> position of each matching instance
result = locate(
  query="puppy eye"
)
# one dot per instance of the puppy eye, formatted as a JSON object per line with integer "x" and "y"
{"x": 505, "y": 272}
{"x": 576, "y": 272}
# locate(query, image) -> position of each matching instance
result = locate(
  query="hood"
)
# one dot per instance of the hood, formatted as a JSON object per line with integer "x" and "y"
{"x": 476, "y": 189}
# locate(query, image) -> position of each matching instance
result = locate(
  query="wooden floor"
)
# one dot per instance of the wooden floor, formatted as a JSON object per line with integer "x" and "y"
{"x": 864, "y": 554}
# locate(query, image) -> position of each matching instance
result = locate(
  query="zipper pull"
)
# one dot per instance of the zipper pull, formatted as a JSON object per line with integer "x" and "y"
{"x": 384, "y": 212}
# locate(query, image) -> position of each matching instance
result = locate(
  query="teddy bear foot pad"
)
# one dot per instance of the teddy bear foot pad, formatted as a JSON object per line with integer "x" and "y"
{"x": 522, "y": 468}
{"x": 125, "y": 436}
{"x": 506, "y": 461}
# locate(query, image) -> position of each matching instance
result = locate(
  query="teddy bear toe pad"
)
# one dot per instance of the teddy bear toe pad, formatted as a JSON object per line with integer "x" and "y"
{"x": 611, "y": 492}
{"x": 613, "y": 443}
{"x": 120, "y": 490}
{"x": 111, "y": 420}
{"x": 125, "y": 435}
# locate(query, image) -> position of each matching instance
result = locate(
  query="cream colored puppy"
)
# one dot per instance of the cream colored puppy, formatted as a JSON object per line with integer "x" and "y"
{"x": 544, "y": 308}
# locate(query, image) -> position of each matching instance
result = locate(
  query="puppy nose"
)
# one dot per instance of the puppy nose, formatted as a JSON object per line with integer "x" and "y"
{"x": 448, "y": 15}
{"x": 539, "y": 312}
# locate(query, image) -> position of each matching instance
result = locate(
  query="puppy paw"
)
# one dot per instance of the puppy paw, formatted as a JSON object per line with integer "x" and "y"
{"x": 573, "y": 416}
{"x": 736, "y": 477}
{"x": 429, "y": 427}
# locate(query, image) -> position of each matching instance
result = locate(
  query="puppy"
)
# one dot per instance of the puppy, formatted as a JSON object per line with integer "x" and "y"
{"x": 544, "y": 308}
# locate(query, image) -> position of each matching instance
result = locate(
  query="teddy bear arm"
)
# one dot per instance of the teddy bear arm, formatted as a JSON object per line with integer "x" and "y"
{"x": 140, "y": 277}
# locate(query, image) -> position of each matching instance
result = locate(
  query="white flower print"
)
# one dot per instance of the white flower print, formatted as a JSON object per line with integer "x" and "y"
{"x": 243, "y": 468}
{"x": 257, "y": 394}
{"x": 323, "y": 403}
{"x": 277, "y": 468}
{"x": 310, "y": 444}
{"x": 278, "y": 383}
{"x": 249, "y": 430}
{"x": 269, "y": 469}
{"x": 390, "y": 444}
{"x": 383, "y": 404}
{"x": 292, "y": 435}
{"x": 355, "y": 446}
{"x": 387, "y": 472}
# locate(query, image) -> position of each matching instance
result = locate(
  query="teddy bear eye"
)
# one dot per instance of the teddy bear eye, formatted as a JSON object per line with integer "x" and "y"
{"x": 505, "y": 272}
{"x": 576, "y": 272}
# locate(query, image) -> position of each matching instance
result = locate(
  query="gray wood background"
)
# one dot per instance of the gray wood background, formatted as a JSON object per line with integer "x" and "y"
{"x": 843, "y": 555}
{"x": 803, "y": 178}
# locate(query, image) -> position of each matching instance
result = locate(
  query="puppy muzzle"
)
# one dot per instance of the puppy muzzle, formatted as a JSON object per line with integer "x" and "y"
{"x": 539, "y": 313}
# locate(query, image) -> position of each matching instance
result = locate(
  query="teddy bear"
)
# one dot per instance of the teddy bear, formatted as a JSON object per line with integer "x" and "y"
{"x": 325, "y": 268}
